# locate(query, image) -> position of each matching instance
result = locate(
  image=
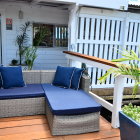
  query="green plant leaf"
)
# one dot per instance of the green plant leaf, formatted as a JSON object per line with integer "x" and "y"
{"x": 131, "y": 69}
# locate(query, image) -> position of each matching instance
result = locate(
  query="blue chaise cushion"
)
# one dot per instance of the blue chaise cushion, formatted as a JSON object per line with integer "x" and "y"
{"x": 29, "y": 91}
{"x": 75, "y": 82}
{"x": 63, "y": 76}
{"x": 11, "y": 77}
{"x": 69, "y": 101}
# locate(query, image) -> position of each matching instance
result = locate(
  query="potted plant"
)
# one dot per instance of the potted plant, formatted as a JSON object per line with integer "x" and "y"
{"x": 30, "y": 56}
{"x": 27, "y": 54}
{"x": 22, "y": 40}
{"x": 14, "y": 62}
{"x": 130, "y": 115}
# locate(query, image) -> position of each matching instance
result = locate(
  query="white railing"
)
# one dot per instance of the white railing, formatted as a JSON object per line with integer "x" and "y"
{"x": 75, "y": 59}
{"x": 102, "y": 36}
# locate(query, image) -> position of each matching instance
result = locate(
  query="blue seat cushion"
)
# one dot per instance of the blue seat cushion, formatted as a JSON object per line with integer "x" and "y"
{"x": 69, "y": 101}
{"x": 75, "y": 82}
{"x": 29, "y": 91}
{"x": 12, "y": 77}
{"x": 63, "y": 76}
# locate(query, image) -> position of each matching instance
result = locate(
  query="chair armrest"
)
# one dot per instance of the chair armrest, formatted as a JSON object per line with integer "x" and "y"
{"x": 85, "y": 83}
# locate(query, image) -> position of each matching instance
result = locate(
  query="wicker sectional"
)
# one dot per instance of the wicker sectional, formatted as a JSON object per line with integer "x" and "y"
{"x": 59, "y": 125}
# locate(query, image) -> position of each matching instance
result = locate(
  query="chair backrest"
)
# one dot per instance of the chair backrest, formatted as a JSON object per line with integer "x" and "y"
{"x": 47, "y": 76}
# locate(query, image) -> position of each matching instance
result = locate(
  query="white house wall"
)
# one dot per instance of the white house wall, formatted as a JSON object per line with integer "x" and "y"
{"x": 32, "y": 13}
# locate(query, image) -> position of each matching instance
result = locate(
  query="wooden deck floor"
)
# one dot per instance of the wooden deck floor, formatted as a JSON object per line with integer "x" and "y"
{"x": 36, "y": 128}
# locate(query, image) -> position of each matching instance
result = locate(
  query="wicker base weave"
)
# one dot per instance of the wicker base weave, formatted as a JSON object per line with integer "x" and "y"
{"x": 22, "y": 107}
{"x": 76, "y": 124}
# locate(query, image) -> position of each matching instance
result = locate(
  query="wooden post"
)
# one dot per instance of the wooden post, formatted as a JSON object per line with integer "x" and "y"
{"x": 117, "y": 100}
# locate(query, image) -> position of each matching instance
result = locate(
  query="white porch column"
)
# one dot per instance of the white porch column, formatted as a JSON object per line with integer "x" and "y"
{"x": 73, "y": 26}
{"x": 117, "y": 100}
{"x": 3, "y": 37}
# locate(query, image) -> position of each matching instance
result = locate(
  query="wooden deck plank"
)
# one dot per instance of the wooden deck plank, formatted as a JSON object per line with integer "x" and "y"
{"x": 56, "y": 138}
{"x": 18, "y": 123}
{"x": 23, "y": 129}
{"x": 103, "y": 121}
{"x": 36, "y": 128}
{"x": 28, "y": 135}
{"x": 95, "y": 135}
{"x": 22, "y": 118}
{"x": 114, "y": 138}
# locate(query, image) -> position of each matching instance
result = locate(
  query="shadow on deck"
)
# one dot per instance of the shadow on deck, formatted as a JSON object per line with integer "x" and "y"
{"x": 36, "y": 128}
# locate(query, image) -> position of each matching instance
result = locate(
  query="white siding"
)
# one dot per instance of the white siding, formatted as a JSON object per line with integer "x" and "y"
{"x": 32, "y": 13}
{"x": 50, "y": 58}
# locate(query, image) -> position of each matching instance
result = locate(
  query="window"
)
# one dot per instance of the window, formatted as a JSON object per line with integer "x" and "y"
{"x": 45, "y": 35}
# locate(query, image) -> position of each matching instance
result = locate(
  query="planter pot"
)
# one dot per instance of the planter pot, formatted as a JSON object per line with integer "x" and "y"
{"x": 24, "y": 67}
{"x": 129, "y": 129}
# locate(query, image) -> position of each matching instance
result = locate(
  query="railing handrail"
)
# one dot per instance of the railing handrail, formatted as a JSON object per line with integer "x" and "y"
{"x": 92, "y": 58}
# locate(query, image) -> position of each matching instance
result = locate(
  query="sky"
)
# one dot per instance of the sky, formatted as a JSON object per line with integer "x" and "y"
{"x": 134, "y": 2}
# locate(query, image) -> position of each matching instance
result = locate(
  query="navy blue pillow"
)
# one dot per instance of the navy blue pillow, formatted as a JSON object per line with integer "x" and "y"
{"x": 0, "y": 81}
{"x": 75, "y": 82}
{"x": 12, "y": 77}
{"x": 63, "y": 76}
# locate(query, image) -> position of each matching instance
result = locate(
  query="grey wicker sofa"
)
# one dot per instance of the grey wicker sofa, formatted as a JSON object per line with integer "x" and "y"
{"x": 59, "y": 125}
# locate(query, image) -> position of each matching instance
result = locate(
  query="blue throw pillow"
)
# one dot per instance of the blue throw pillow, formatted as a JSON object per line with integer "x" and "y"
{"x": 63, "y": 76}
{"x": 11, "y": 77}
{"x": 0, "y": 79}
{"x": 75, "y": 82}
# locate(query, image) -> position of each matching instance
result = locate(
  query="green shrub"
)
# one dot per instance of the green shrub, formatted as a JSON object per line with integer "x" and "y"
{"x": 132, "y": 111}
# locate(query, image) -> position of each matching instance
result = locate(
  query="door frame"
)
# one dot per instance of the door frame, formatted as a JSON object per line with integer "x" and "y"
{"x": 3, "y": 39}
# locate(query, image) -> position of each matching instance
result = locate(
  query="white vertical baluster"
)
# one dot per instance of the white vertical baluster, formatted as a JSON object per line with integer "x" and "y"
{"x": 97, "y": 29}
{"x": 92, "y": 29}
{"x": 82, "y": 28}
{"x": 135, "y": 32}
{"x": 102, "y": 29}
{"x": 130, "y": 32}
{"x": 87, "y": 29}
{"x": 100, "y": 56}
{"x": 112, "y": 30}
{"x": 117, "y": 30}
{"x": 107, "y": 30}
